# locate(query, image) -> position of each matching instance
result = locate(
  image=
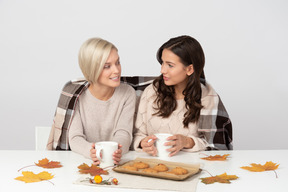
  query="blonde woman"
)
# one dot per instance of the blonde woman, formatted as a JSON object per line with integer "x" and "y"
{"x": 102, "y": 108}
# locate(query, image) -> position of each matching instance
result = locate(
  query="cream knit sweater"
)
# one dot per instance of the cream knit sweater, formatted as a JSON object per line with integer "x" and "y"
{"x": 148, "y": 124}
{"x": 97, "y": 120}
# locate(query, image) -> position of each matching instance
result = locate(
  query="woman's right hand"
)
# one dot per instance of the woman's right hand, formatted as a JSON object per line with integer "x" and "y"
{"x": 93, "y": 155}
{"x": 148, "y": 146}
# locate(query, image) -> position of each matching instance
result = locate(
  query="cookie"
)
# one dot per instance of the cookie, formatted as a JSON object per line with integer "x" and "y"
{"x": 178, "y": 171}
{"x": 149, "y": 170}
{"x": 160, "y": 167}
{"x": 131, "y": 168}
{"x": 141, "y": 165}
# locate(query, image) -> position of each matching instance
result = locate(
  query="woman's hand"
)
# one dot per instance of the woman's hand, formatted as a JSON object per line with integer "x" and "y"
{"x": 148, "y": 146}
{"x": 93, "y": 155}
{"x": 117, "y": 155}
{"x": 178, "y": 142}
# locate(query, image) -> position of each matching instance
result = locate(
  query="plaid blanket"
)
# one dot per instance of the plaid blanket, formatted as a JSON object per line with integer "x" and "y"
{"x": 217, "y": 127}
{"x": 58, "y": 138}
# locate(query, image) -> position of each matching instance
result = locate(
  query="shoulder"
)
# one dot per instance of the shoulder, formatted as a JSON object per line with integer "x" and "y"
{"x": 150, "y": 90}
{"x": 209, "y": 98}
{"x": 125, "y": 90}
{"x": 149, "y": 93}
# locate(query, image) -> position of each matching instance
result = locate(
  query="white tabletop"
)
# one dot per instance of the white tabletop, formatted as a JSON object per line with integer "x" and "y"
{"x": 12, "y": 160}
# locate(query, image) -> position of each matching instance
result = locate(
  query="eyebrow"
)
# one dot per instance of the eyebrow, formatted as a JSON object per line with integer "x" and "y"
{"x": 110, "y": 62}
{"x": 169, "y": 62}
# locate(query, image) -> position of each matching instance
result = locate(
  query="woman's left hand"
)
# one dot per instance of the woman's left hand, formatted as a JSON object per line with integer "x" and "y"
{"x": 178, "y": 142}
{"x": 117, "y": 155}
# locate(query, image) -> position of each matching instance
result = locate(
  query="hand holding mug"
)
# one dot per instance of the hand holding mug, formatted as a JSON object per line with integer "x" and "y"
{"x": 93, "y": 155}
{"x": 148, "y": 146}
{"x": 117, "y": 155}
{"x": 178, "y": 142}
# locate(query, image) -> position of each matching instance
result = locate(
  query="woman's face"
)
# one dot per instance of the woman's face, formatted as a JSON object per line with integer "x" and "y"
{"x": 173, "y": 70}
{"x": 111, "y": 73}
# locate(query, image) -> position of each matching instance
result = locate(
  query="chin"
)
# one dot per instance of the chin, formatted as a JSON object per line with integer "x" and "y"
{"x": 115, "y": 84}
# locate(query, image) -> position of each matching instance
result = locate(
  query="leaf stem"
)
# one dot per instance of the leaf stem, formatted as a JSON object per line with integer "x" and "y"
{"x": 203, "y": 154}
{"x": 275, "y": 173}
{"x": 26, "y": 167}
{"x": 208, "y": 172}
{"x": 50, "y": 182}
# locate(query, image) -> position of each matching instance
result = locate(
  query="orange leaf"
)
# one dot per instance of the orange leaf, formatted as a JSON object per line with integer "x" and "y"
{"x": 223, "y": 178}
{"x": 93, "y": 170}
{"x": 45, "y": 163}
{"x": 30, "y": 177}
{"x": 216, "y": 157}
{"x": 268, "y": 166}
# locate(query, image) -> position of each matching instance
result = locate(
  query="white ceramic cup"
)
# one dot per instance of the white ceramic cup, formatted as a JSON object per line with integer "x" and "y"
{"x": 104, "y": 152}
{"x": 161, "y": 148}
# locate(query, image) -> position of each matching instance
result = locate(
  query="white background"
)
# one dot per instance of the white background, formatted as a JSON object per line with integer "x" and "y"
{"x": 245, "y": 43}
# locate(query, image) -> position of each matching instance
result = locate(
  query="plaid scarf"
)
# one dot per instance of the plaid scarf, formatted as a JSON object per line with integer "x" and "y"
{"x": 215, "y": 125}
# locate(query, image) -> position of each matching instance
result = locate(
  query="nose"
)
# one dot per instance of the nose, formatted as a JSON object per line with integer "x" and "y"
{"x": 117, "y": 69}
{"x": 163, "y": 68}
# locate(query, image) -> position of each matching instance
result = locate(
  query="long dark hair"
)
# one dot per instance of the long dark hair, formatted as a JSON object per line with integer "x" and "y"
{"x": 190, "y": 52}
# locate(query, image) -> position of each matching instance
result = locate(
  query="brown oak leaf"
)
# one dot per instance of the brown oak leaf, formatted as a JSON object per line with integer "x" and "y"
{"x": 30, "y": 177}
{"x": 216, "y": 157}
{"x": 93, "y": 170}
{"x": 45, "y": 163}
{"x": 223, "y": 178}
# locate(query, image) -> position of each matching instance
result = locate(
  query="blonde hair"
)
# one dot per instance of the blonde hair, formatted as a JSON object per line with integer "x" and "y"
{"x": 92, "y": 57}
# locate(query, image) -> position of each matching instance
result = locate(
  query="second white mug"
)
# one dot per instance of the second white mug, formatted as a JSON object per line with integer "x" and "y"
{"x": 161, "y": 148}
{"x": 104, "y": 152}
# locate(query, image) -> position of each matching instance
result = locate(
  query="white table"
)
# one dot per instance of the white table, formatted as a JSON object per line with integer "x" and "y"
{"x": 12, "y": 160}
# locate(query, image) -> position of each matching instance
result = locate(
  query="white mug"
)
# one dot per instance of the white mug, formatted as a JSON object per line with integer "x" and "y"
{"x": 161, "y": 148}
{"x": 104, "y": 152}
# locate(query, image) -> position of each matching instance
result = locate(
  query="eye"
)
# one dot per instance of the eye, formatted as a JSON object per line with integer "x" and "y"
{"x": 118, "y": 63}
{"x": 106, "y": 66}
{"x": 170, "y": 66}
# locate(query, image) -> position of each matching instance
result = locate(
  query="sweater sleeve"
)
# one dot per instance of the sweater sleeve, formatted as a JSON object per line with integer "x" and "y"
{"x": 141, "y": 122}
{"x": 77, "y": 138}
{"x": 123, "y": 131}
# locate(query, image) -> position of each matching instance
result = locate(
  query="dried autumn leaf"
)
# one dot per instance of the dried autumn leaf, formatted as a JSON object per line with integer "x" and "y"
{"x": 30, "y": 177}
{"x": 45, "y": 163}
{"x": 223, "y": 178}
{"x": 216, "y": 157}
{"x": 93, "y": 170}
{"x": 268, "y": 166}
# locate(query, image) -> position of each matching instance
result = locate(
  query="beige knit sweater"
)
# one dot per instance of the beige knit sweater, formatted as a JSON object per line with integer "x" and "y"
{"x": 147, "y": 124}
{"x": 96, "y": 120}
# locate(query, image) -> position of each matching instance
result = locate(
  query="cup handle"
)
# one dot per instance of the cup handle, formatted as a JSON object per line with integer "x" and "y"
{"x": 98, "y": 153}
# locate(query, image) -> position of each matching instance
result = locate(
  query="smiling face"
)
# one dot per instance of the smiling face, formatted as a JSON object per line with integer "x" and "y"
{"x": 174, "y": 71}
{"x": 111, "y": 73}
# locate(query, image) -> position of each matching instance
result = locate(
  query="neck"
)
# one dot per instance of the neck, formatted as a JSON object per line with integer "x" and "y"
{"x": 101, "y": 92}
{"x": 179, "y": 88}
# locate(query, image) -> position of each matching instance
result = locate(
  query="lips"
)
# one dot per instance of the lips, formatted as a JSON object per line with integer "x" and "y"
{"x": 165, "y": 78}
{"x": 115, "y": 78}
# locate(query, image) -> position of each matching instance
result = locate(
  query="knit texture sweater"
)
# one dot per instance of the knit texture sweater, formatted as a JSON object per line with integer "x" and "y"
{"x": 212, "y": 131}
{"x": 96, "y": 120}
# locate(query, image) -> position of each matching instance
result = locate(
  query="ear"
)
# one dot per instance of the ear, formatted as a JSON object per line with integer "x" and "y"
{"x": 189, "y": 70}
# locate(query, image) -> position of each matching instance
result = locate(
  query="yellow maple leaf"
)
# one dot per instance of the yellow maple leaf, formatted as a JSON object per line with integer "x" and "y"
{"x": 216, "y": 157}
{"x": 30, "y": 177}
{"x": 268, "y": 166}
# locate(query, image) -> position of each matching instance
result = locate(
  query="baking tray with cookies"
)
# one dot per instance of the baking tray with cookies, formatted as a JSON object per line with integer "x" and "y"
{"x": 159, "y": 168}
